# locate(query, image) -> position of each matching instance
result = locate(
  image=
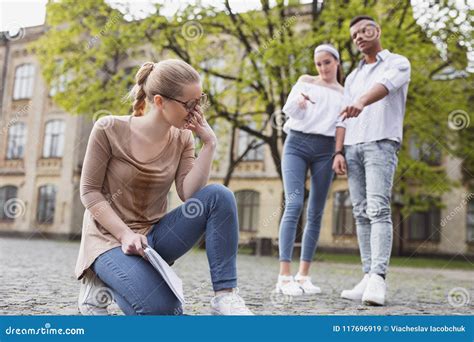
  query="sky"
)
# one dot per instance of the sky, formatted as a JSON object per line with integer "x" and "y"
{"x": 21, "y": 13}
{"x": 24, "y": 13}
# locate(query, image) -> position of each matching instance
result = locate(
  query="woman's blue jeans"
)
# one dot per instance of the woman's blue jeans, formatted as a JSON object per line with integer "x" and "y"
{"x": 303, "y": 151}
{"x": 139, "y": 289}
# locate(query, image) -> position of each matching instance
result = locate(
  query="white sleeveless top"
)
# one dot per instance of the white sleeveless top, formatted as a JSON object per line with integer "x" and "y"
{"x": 317, "y": 118}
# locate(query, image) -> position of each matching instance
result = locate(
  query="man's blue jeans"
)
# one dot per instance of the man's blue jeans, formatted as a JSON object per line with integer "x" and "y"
{"x": 139, "y": 289}
{"x": 370, "y": 169}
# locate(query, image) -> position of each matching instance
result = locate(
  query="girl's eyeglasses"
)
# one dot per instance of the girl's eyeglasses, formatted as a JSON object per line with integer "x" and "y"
{"x": 191, "y": 104}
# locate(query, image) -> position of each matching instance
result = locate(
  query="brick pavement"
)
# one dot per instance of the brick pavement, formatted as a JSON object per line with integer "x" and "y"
{"x": 36, "y": 277}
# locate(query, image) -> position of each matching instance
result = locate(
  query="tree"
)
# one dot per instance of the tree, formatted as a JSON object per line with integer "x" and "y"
{"x": 250, "y": 61}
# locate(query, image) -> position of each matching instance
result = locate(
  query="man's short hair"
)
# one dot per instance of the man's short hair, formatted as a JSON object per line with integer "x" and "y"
{"x": 358, "y": 18}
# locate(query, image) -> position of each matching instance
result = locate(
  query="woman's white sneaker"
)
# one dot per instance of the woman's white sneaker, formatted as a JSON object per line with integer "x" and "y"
{"x": 94, "y": 296}
{"x": 229, "y": 304}
{"x": 306, "y": 284}
{"x": 358, "y": 291}
{"x": 288, "y": 286}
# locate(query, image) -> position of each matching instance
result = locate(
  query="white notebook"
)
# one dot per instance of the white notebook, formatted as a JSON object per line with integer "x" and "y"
{"x": 168, "y": 274}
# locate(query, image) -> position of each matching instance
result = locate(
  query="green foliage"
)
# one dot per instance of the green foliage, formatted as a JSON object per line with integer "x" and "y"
{"x": 249, "y": 61}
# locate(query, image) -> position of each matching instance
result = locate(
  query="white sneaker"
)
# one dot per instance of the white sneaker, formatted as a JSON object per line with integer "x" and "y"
{"x": 94, "y": 296}
{"x": 305, "y": 283}
{"x": 288, "y": 286}
{"x": 374, "y": 294}
{"x": 358, "y": 291}
{"x": 229, "y": 304}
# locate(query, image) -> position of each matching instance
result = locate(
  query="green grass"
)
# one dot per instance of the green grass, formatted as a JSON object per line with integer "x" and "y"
{"x": 421, "y": 262}
{"x": 245, "y": 250}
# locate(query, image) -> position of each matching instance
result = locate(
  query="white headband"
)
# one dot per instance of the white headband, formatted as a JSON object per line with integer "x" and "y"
{"x": 327, "y": 48}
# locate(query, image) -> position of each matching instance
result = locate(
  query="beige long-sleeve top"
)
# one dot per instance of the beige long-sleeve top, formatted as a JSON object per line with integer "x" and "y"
{"x": 137, "y": 191}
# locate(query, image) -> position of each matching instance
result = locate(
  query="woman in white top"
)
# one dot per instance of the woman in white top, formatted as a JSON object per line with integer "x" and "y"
{"x": 312, "y": 106}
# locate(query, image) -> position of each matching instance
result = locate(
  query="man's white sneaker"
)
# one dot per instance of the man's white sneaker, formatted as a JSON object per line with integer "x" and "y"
{"x": 288, "y": 286}
{"x": 229, "y": 304}
{"x": 374, "y": 294}
{"x": 358, "y": 291}
{"x": 305, "y": 283}
{"x": 94, "y": 296}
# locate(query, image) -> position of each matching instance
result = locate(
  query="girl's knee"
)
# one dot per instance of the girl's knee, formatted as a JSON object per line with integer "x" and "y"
{"x": 218, "y": 188}
{"x": 221, "y": 191}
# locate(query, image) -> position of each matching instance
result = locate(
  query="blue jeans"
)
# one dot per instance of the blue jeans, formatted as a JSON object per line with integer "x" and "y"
{"x": 139, "y": 289}
{"x": 370, "y": 169}
{"x": 303, "y": 151}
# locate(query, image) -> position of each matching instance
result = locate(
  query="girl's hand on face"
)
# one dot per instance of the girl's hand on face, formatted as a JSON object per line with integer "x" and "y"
{"x": 197, "y": 123}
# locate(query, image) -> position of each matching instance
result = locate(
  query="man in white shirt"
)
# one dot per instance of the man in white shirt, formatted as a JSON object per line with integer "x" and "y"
{"x": 368, "y": 137}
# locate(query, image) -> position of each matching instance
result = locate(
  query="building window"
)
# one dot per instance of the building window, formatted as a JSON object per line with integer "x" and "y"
{"x": 425, "y": 225}
{"x": 248, "y": 206}
{"x": 24, "y": 79}
{"x": 245, "y": 139}
{"x": 470, "y": 221}
{"x": 343, "y": 219}
{"x": 59, "y": 84}
{"x": 61, "y": 79}
{"x": 425, "y": 152}
{"x": 214, "y": 83}
{"x": 8, "y": 195}
{"x": 16, "y": 141}
{"x": 46, "y": 204}
{"x": 53, "y": 139}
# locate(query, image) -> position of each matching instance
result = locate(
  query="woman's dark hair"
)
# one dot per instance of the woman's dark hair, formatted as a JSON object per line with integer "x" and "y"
{"x": 340, "y": 73}
{"x": 358, "y": 18}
